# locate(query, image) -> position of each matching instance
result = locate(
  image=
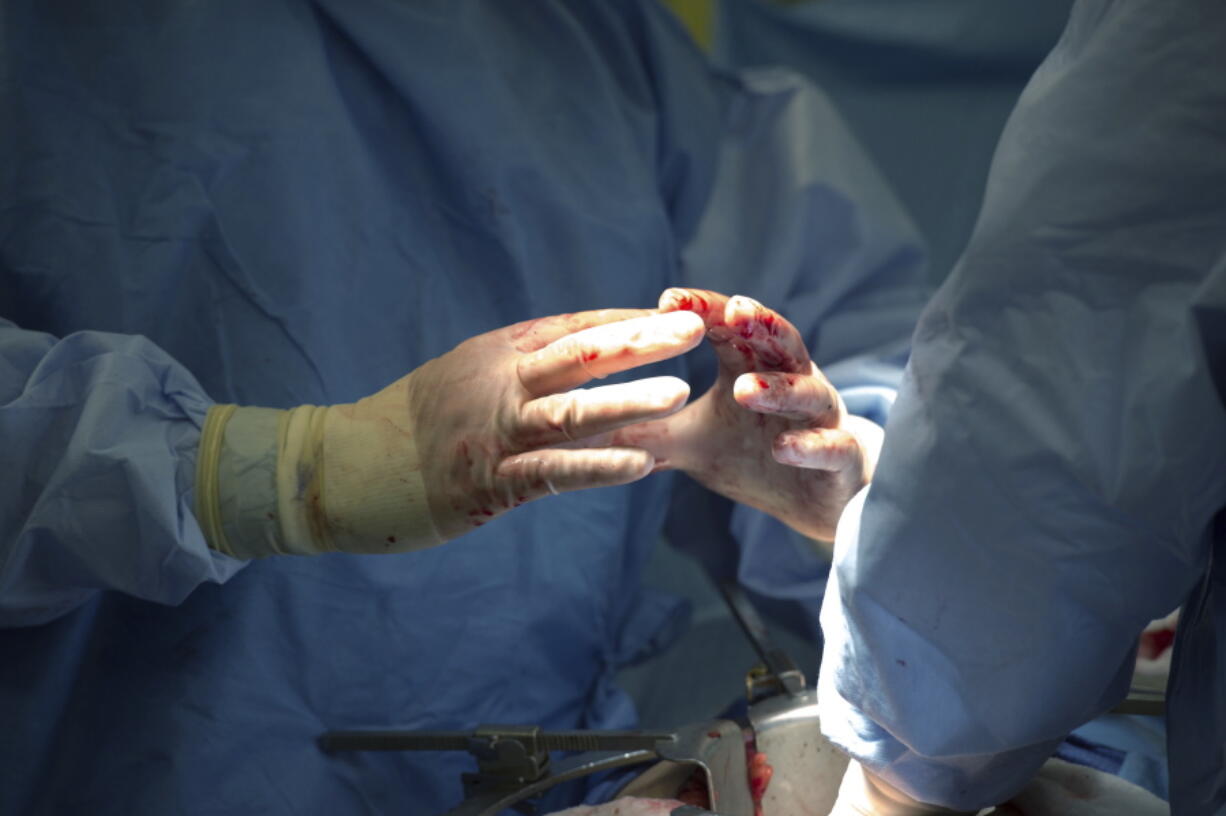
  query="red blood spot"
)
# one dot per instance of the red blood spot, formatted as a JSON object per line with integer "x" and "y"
{"x": 685, "y": 303}
{"x": 702, "y": 301}
{"x": 1153, "y": 644}
{"x": 588, "y": 356}
{"x": 521, "y": 499}
{"x": 485, "y": 511}
{"x": 391, "y": 539}
{"x": 747, "y": 329}
{"x": 714, "y": 735}
{"x": 768, "y": 320}
{"x": 763, "y": 384}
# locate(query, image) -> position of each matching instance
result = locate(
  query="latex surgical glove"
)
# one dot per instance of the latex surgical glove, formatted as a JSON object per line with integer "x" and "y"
{"x": 457, "y": 442}
{"x": 1063, "y": 789}
{"x": 772, "y": 432}
{"x": 862, "y": 794}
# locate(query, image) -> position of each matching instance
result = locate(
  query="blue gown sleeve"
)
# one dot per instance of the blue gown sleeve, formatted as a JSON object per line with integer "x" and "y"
{"x": 1057, "y": 452}
{"x": 99, "y": 433}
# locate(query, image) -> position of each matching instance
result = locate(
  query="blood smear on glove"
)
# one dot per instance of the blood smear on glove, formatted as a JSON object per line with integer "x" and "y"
{"x": 1154, "y": 643}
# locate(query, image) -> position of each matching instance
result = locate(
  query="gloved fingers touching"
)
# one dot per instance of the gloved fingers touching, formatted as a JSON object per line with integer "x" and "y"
{"x": 598, "y": 351}
{"x": 711, "y": 307}
{"x": 703, "y": 302}
{"x": 540, "y": 473}
{"x": 533, "y": 335}
{"x": 746, "y": 335}
{"x": 581, "y": 413}
{"x": 806, "y": 398}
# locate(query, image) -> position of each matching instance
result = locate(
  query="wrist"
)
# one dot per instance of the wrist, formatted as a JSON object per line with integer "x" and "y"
{"x": 310, "y": 480}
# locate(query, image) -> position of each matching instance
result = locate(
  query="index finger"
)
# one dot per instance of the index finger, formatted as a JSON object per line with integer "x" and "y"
{"x": 600, "y": 351}
{"x": 532, "y": 335}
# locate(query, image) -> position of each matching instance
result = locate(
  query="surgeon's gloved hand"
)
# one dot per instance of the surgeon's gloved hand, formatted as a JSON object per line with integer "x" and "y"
{"x": 772, "y": 432}
{"x": 455, "y": 443}
{"x": 863, "y": 794}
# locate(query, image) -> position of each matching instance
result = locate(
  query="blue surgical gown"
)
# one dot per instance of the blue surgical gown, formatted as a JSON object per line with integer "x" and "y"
{"x": 1054, "y": 472}
{"x": 926, "y": 85}
{"x": 277, "y": 203}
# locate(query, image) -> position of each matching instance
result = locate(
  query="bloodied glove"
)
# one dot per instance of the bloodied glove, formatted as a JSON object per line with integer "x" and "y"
{"x": 455, "y": 443}
{"x": 772, "y": 432}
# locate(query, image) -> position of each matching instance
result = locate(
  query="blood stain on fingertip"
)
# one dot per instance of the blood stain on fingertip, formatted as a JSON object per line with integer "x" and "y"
{"x": 485, "y": 511}
{"x": 763, "y": 384}
{"x": 588, "y": 356}
{"x": 768, "y": 321}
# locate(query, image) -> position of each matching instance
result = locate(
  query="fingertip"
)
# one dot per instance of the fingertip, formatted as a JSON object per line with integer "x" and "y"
{"x": 691, "y": 322}
{"x": 680, "y": 396}
{"x": 633, "y": 464}
{"x": 740, "y": 307}
{"x": 676, "y": 299}
{"x": 748, "y": 389}
{"x": 667, "y": 394}
{"x": 817, "y": 449}
{"x": 740, "y": 313}
{"x": 786, "y": 450}
{"x": 683, "y": 330}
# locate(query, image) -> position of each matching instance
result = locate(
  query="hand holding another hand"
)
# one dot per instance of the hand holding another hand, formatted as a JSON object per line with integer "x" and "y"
{"x": 772, "y": 432}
